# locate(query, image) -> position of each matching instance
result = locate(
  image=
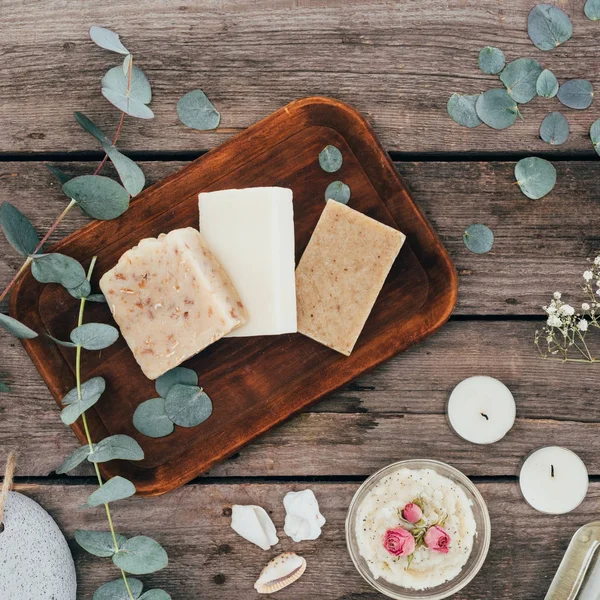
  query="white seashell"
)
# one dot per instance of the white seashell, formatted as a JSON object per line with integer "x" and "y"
{"x": 303, "y": 521}
{"x": 280, "y": 572}
{"x": 254, "y": 524}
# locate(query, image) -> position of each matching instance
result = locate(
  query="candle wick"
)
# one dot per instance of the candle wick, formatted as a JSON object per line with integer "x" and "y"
{"x": 485, "y": 416}
{"x": 551, "y": 470}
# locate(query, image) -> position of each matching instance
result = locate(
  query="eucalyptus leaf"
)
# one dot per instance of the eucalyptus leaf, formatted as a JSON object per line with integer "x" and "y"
{"x": 592, "y": 10}
{"x": 107, "y": 39}
{"x": 140, "y": 555}
{"x": 478, "y": 238}
{"x": 155, "y": 595}
{"x": 177, "y": 375}
{"x": 491, "y": 60}
{"x": 187, "y": 405}
{"x": 89, "y": 126}
{"x": 94, "y": 336}
{"x": 18, "y": 230}
{"x": 117, "y": 590}
{"x": 98, "y": 196}
{"x": 150, "y": 418}
{"x": 60, "y": 175}
{"x": 547, "y": 84}
{"x": 4, "y": 387}
{"x": 117, "y": 81}
{"x": 126, "y": 65}
{"x": 548, "y": 26}
{"x": 497, "y": 109}
{"x": 96, "y": 298}
{"x": 595, "y": 135}
{"x": 462, "y": 109}
{"x": 81, "y": 291}
{"x": 116, "y": 447}
{"x": 576, "y": 93}
{"x": 127, "y": 104}
{"x": 535, "y": 176}
{"x": 554, "y": 129}
{"x": 99, "y": 543}
{"x": 330, "y": 159}
{"x": 17, "y": 328}
{"x": 196, "y": 111}
{"x": 338, "y": 191}
{"x": 116, "y": 488}
{"x": 74, "y": 460}
{"x": 61, "y": 342}
{"x": 58, "y": 268}
{"x": 74, "y": 407}
{"x": 520, "y": 78}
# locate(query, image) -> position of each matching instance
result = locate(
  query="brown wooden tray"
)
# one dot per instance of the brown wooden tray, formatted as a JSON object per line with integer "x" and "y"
{"x": 255, "y": 383}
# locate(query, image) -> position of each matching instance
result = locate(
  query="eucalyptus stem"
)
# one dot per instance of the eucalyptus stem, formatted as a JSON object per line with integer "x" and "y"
{"x": 87, "y": 429}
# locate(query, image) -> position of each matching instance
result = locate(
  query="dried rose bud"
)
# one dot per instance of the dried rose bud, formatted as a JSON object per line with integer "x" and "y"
{"x": 437, "y": 539}
{"x": 412, "y": 513}
{"x": 399, "y": 541}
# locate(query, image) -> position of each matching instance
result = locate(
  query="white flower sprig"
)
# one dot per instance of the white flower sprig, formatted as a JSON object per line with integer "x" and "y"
{"x": 566, "y": 328}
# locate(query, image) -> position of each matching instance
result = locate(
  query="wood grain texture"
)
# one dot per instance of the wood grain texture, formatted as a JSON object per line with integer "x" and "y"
{"x": 397, "y": 411}
{"x": 540, "y": 246}
{"x": 193, "y": 524}
{"x": 397, "y": 62}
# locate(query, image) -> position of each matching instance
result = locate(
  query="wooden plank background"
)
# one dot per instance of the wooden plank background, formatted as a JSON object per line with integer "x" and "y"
{"x": 397, "y": 62}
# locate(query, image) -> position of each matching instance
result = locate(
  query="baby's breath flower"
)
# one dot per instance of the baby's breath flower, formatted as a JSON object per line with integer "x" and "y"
{"x": 566, "y": 309}
{"x": 550, "y": 309}
{"x": 553, "y": 321}
{"x": 548, "y": 338}
{"x": 597, "y": 260}
{"x": 582, "y": 325}
{"x": 588, "y": 275}
{"x": 585, "y": 306}
{"x": 557, "y": 295}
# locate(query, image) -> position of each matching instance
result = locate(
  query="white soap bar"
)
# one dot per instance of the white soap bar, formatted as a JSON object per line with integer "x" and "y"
{"x": 251, "y": 233}
{"x": 171, "y": 299}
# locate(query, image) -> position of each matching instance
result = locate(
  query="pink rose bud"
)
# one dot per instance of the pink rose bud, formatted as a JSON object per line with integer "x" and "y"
{"x": 412, "y": 513}
{"x": 399, "y": 542}
{"x": 437, "y": 539}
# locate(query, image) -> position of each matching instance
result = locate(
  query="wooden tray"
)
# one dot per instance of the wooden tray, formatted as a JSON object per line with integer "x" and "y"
{"x": 255, "y": 383}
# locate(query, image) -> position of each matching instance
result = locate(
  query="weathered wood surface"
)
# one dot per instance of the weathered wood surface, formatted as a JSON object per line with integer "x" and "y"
{"x": 396, "y": 412}
{"x": 540, "y": 246}
{"x": 208, "y": 560}
{"x": 397, "y": 62}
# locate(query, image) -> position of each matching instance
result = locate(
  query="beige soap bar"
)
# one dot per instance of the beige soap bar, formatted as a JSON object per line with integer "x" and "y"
{"x": 341, "y": 274}
{"x": 171, "y": 299}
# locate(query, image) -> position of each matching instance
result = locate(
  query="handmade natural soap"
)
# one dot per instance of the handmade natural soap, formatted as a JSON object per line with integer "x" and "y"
{"x": 341, "y": 274}
{"x": 251, "y": 233}
{"x": 171, "y": 299}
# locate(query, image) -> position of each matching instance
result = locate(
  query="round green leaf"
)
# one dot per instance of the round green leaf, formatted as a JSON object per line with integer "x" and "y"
{"x": 100, "y": 197}
{"x": 117, "y": 590}
{"x": 520, "y": 78}
{"x": 576, "y": 93}
{"x": 18, "y": 230}
{"x": 592, "y": 10}
{"x": 548, "y": 26}
{"x": 74, "y": 460}
{"x": 151, "y": 419}
{"x": 155, "y": 595}
{"x": 96, "y": 298}
{"x": 107, "y": 39}
{"x": 491, "y": 60}
{"x": 478, "y": 238}
{"x": 554, "y": 129}
{"x": 497, "y": 109}
{"x": 177, "y": 375}
{"x": 595, "y": 135}
{"x": 81, "y": 291}
{"x": 338, "y": 191}
{"x": 74, "y": 407}
{"x": 196, "y": 111}
{"x": 536, "y": 177}
{"x": 58, "y": 268}
{"x": 117, "y": 81}
{"x": 547, "y": 84}
{"x": 462, "y": 109}
{"x": 128, "y": 104}
{"x": 116, "y": 488}
{"x": 141, "y": 555}
{"x": 116, "y": 447}
{"x": 99, "y": 543}
{"x": 17, "y": 328}
{"x": 94, "y": 336}
{"x": 187, "y": 405}
{"x": 330, "y": 159}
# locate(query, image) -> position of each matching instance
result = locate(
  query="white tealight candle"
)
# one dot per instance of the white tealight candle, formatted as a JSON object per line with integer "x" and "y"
{"x": 481, "y": 409}
{"x": 554, "y": 480}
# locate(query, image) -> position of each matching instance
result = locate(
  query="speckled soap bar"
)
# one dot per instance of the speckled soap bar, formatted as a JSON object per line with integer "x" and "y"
{"x": 341, "y": 274}
{"x": 171, "y": 299}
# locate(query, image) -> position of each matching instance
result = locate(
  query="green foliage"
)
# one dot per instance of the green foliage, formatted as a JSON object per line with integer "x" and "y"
{"x": 478, "y": 238}
{"x": 151, "y": 419}
{"x": 100, "y": 197}
{"x": 99, "y": 543}
{"x": 576, "y": 93}
{"x": 554, "y": 129}
{"x": 520, "y": 78}
{"x": 497, "y": 109}
{"x": 94, "y": 336}
{"x": 547, "y": 84}
{"x": 338, "y": 191}
{"x": 74, "y": 406}
{"x": 177, "y": 375}
{"x": 535, "y": 176}
{"x": 60, "y": 175}
{"x": 592, "y": 10}
{"x": 19, "y": 232}
{"x": 116, "y": 447}
{"x": 58, "y": 268}
{"x": 18, "y": 329}
{"x": 140, "y": 555}
{"x": 462, "y": 109}
{"x": 548, "y": 26}
{"x": 107, "y": 39}
{"x": 595, "y": 135}
{"x": 330, "y": 159}
{"x": 491, "y": 60}
{"x": 74, "y": 460}
{"x": 116, "y": 590}
{"x": 196, "y": 111}
{"x": 131, "y": 99}
{"x": 114, "y": 489}
{"x": 187, "y": 405}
